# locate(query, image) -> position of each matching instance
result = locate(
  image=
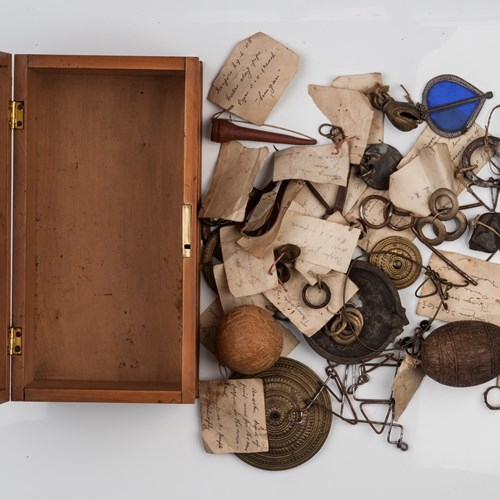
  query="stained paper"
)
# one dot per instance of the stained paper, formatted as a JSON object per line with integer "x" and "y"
{"x": 254, "y": 77}
{"x": 321, "y": 242}
{"x": 233, "y": 416}
{"x": 246, "y": 274}
{"x": 233, "y": 179}
{"x": 365, "y": 83}
{"x": 349, "y": 109}
{"x": 481, "y": 302}
{"x": 405, "y": 384}
{"x": 321, "y": 164}
{"x": 411, "y": 186}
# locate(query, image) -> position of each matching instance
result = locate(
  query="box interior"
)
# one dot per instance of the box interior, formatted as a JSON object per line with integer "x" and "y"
{"x": 104, "y": 230}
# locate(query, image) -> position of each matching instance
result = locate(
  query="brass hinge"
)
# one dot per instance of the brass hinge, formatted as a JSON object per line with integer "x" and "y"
{"x": 187, "y": 212}
{"x": 15, "y": 341}
{"x": 16, "y": 114}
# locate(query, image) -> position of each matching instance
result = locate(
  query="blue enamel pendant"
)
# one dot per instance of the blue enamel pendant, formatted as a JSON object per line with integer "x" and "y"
{"x": 450, "y": 105}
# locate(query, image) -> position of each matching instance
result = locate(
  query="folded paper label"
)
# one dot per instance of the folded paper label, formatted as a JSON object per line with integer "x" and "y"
{"x": 233, "y": 416}
{"x": 254, "y": 77}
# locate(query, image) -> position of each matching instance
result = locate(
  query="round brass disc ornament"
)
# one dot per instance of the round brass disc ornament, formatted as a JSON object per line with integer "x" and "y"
{"x": 399, "y": 258}
{"x": 295, "y": 434}
{"x": 378, "y": 302}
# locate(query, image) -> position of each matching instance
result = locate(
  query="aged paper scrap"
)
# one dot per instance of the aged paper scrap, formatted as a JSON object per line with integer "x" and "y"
{"x": 246, "y": 274}
{"x": 233, "y": 179}
{"x": 308, "y": 202}
{"x": 259, "y": 245}
{"x": 405, "y": 384}
{"x": 233, "y": 416}
{"x": 355, "y": 189}
{"x": 320, "y": 164}
{"x": 288, "y": 299}
{"x": 254, "y": 77}
{"x": 349, "y": 109}
{"x": 210, "y": 318}
{"x": 321, "y": 242}
{"x": 365, "y": 83}
{"x": 456, "y": 145}
{"x": 481, "y": 302}
{"x": 411, "y": 186}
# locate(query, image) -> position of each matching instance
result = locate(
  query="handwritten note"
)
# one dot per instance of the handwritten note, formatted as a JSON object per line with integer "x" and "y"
{"x": 321, "y": 242}
{"x": 254, "y": 77}
{"x": 236, "y": 166}
{"x": 411, "y": 186}
{"x": 288, "y": 299}
{"x": 365, "y": 83}
{"x": 320, "y": 164}
{"x": 456, "y": 145}
{"x": 349, "y": 109}
{"x": 246, "y": 274}
{"x": 355, "y": 189}
{"x": 233, "y": 416}
{"x": 405, "y": 384}
{"x": 310, "y": 204}
{"x": 259, "y": 245}
{"x": 481, "y": 302}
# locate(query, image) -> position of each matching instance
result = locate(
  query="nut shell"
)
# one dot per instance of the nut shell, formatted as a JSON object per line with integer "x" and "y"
{"x": 462, "y": 353}
{"x": 249, "y": 340}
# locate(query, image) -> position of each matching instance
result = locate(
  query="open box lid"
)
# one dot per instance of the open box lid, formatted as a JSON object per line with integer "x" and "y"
{"x": 105, "y": 251}
{"x": 5, "y": 167}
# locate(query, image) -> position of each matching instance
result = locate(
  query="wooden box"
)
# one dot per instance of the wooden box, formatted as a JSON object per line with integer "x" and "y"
{"x": 104, "y": 242}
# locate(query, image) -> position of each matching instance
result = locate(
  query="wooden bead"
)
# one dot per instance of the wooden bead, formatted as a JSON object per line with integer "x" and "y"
{"x": 249, "y": 340}
{"x": 462, "y": 353}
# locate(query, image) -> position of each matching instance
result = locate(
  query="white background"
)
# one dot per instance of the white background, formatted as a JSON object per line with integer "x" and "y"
{"x": 122, "y": 451}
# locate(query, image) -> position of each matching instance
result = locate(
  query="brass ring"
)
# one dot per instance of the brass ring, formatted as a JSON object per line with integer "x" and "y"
{"x": 338, "y": 330}
{"x": 323, "y": 286}
{"x": 461, "y": 221}
{"x": 387, "y": 211}
{"x": 438, "y": 227}
{"x": 443, "y": 213}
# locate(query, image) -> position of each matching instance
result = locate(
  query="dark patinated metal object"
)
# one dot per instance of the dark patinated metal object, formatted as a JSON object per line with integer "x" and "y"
{"x": 485, "y": 237}
{"x": 378, "y": 163}
{"x": 493, "y": 143}
{"x": 462, "y": 353}
{"x": 405, "y": 116}
{"x": 384, "y": 318}
{"x": 295, "y": 433}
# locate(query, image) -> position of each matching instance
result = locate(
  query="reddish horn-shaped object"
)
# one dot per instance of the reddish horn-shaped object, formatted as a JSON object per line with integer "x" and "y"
{"x": 225, "y": 131}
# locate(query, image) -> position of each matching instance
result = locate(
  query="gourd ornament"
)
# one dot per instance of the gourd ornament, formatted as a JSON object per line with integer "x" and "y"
{"x": 462, "y": 353}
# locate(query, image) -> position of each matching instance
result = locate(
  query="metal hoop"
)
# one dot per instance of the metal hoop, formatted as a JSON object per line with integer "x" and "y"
{"x": 323, "y": 286}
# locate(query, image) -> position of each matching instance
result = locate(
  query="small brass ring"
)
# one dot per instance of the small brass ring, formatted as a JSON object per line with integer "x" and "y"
{"x": 485, "y": 395}
{"x": 387, "y": 211}
{"x": 443, "y": 213}
{"x": 323, "y": 286}
{"x": 438, "y": 227}
{"x": 461, "y": 221}
{"x": 338, "y": 325}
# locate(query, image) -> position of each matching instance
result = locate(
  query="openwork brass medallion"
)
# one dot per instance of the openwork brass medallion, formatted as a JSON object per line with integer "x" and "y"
{"x": 295, "y": 434}
{"x": 398, "y": 258}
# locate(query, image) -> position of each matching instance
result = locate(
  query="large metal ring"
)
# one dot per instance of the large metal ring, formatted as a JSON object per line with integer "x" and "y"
{"x": 387, "y": 211}
{"x": 396, "y": 212}
{"x": 461, "y": 221}
{"x": 486, "y": 402}
{"x": 438, "y": 227}
{"x": 443, "y": 213}
{"x": 323, "y": 286}
{"x": 493, "y": 143}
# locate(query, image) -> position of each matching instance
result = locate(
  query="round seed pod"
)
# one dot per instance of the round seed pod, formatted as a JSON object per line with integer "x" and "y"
{"x": 462, "y": 353}
{"x": 249, "y": 340}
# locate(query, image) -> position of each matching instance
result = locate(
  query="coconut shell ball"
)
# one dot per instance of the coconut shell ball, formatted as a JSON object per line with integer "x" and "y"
{"x": 249, "y": 340}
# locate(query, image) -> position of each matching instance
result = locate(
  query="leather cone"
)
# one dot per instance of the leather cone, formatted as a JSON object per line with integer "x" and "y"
{"x": 225, "y": 131}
